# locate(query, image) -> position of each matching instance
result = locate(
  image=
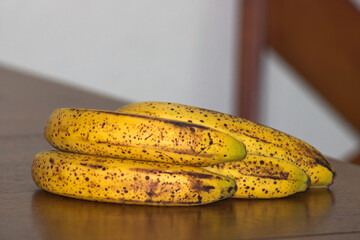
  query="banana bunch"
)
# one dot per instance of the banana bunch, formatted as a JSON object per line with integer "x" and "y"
{"x": 259, "y": 140}
{"x": 157, "y": 153}
{"x": 126, "y": 158}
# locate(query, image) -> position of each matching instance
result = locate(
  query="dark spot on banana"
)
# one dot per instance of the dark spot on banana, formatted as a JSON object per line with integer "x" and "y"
{"x": 91, "y": 165}
{"x": 200, "y": 187}
{"x": 151, "y": 193}
{"x": 193, "y": 174}
{"x": 284, "y": 175}
{"x": 211, "y": 141}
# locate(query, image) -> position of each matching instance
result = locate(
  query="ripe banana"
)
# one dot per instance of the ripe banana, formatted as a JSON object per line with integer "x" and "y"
{"x": 258, "y": 139}
{"x": 130, "y": 136}
{"x": 108, "y": 179}
{"x": 263, "y": 177}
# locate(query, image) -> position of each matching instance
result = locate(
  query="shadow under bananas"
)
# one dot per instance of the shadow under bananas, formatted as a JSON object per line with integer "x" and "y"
{"x": 62, "y": 218}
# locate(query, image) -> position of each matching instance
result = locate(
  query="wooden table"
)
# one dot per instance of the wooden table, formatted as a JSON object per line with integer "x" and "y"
{"x": 26, "y": 212}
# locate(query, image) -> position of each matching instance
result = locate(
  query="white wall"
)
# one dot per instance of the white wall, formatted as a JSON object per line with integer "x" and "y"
{"x": 291, "y": 105}
{"x": 179, "y": 51}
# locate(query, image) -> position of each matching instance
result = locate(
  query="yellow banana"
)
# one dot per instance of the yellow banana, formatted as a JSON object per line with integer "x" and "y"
{"x": 263, "y": 177}
{"x": 108, "y": 179}
{"x": 258, "y": 139}
{"x": 130, "y": 136}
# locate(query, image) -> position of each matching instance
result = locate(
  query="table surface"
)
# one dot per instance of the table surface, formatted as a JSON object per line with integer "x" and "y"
{"x": 26, "y": 212}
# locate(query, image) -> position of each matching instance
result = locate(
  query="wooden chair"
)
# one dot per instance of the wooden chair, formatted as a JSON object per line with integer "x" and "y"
{"x": 303, "y": 32}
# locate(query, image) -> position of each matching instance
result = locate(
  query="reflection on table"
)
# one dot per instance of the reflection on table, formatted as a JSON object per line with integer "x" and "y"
{"x": 60, "y": 218}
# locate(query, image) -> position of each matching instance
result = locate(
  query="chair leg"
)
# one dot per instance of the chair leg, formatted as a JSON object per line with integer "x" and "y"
{"x": 251, "y": 45}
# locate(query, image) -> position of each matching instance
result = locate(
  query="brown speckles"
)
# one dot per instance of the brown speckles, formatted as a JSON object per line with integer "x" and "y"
{"x": 259, "y": 139}
{"x": 211, "y": 142}
{"x": 199, "y": 186}
{"x": 230, "y": 189}
{"x": 150, "y": 194}
{"x": 284, "y": 175}
{"x": 172, "y": 172}
{"x": 91, "y": 165}
{"x": 260, "y": 183}
{"x": 157, "y": 185}
{"x": 126, "y": 135}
